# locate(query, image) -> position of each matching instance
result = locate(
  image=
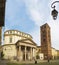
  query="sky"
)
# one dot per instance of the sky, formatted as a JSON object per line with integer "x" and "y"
{"x": 28, "y": 15}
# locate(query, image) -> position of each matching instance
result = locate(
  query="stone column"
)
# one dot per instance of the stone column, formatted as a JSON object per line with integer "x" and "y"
{"x": 20, "y": 57}
{"x": 25, "y": 52}
{"x": 31, "y": 53}
{"x": 34, "y": 53}
{"x": 19, "y": 53}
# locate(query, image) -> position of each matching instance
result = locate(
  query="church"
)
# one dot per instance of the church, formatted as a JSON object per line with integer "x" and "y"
{"x": 20, "y": 46}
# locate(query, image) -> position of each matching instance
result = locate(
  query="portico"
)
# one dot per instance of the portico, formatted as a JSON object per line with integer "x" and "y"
{"x": 26, "y": 51}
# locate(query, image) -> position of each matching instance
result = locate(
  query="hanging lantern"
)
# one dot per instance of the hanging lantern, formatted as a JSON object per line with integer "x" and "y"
{"x": 54, "y": 14}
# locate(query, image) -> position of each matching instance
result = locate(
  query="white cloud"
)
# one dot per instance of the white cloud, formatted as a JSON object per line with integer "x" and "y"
{"x": 32, "y": 9}
{"x": 35, "y": 10}
{"x": 36, "y": 16}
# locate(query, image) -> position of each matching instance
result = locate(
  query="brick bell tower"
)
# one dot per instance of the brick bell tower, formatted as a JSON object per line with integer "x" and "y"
{"x": 46, "y": 41}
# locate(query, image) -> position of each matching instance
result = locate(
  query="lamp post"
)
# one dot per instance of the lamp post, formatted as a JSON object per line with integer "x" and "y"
{"x": 54, "y": 12}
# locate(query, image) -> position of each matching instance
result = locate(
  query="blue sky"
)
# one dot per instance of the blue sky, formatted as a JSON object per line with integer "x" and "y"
{"x": 28, "y": 15}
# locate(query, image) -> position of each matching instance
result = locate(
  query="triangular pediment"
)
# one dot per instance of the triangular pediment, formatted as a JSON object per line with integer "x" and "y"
{"x": 30, "y": 41}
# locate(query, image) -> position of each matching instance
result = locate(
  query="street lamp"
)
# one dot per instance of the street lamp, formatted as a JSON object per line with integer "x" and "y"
{"x": 54, "y": 12}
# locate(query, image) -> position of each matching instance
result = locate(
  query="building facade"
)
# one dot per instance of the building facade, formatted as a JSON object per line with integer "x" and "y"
{"x": 46, "y": 41}
{"x": 18, "y": 45}
{"x": 54, "y": 53}
{"x": 57, "y": 54}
